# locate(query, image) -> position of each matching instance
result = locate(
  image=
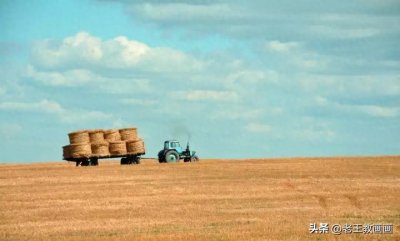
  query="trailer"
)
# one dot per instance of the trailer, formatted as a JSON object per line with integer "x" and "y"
{"x": 127, "y": 159}
{"x": 86, "y": 147}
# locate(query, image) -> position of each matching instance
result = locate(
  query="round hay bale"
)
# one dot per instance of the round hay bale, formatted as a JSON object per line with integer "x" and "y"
{"x": 128, "y": 134}
{"x": 117, "y": 148}
{"x": 112, "y": 135}
{"x": 135, "y": 147}
{"x": 100, "y": 149}
{"x": 78, "y": 137}
{"x": 80, "y": 150}
{"x": 67, "y": 152}
{"x": 96, "y": 136}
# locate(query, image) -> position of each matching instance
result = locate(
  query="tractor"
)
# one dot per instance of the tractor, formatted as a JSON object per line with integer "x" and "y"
{"x": 173, "y": 152}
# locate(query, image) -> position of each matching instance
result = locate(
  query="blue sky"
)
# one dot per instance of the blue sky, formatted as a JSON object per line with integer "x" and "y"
{"x": 244, "y": 78}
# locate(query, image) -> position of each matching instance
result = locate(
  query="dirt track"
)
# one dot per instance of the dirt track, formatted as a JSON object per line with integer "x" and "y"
{"x": 271, "y": 199}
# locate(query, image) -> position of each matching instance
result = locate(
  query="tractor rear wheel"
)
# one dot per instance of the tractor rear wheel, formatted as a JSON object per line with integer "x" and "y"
{"x": 172, "y": 156}
{"x": 161, "y": 157}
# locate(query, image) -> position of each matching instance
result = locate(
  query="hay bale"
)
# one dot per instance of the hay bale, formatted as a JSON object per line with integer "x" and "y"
{"x": 100, "y": 149}
{"x": 117, "y": 148}
{"x": 135, "y": 147}
{"x": 112, "y": 135}
{"x": 79, "y": 137}
{"x": 128, "y": 134}
{"x": 96, "y": 136}
{"x": 80, "y": 150}
{"x": 67, "y": 152}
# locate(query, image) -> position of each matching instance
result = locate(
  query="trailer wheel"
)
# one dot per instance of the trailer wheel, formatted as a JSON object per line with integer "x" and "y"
{"x": 94, "y": 161}
{"x": 124, "y": 161}
{"x": 85, "y": 163}
{"x": 137, "y": 160}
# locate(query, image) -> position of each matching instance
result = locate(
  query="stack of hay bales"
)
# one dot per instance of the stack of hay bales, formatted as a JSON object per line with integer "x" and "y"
{"x": 103, "y": 143}
{"x": 79, "y": 145}
{"x": 135, "y": 146}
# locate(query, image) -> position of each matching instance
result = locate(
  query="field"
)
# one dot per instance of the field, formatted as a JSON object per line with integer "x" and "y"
{"x": 263, "y": 199}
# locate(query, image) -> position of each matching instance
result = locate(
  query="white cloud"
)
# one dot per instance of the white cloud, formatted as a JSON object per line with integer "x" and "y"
{"x": 67, "y": 78}
{"x": 371, "y": 110}
{"x": 259, "y": 128}
{"x": 86, "y": 51}
{"x": 352, "y": 85}
{"x": 9, "y": 130}
{"x": 375, "y": 110}
{"x": 41, "y": 106}
{"x": 140, "y": 102}
{"x": 281, "y": 46}
{"x": 2, "y": 90}
{"x": 54, "y": 108}
{"x": 183, "y": 12}
{"x": 314, "y": 134}
{"x": 207, "y": 95}
{"x": 237, "y": 114}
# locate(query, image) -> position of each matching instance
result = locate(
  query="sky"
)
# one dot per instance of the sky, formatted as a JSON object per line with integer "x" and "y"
{"x": 240, "y": 79}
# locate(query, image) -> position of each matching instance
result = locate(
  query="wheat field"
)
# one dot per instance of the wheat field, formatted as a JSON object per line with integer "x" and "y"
{"x": 260, "y": 199}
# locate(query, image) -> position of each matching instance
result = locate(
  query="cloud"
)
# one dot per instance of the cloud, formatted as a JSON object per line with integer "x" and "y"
{"x": 207, "y": 95}
{"x": 140, "y": 102}
{"x": 73, "y": 77}
{"x": 283, "y": 19}
{"x": 374, "y": 110}
{"x": 237, "y": 114}
{"x": 281, "y": 46}
{"x": 258, "y": 128}
{"x": 182, "y": 12}
{"x": 84, "y": 51}
{"x": 314, "y": 135}
{"x": 366, "y": 109}
{"x": 10, "y": 130}
{"x": 55, "y": 109}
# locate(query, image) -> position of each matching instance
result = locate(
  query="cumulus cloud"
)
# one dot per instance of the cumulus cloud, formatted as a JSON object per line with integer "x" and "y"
{"x": 86, "y": 51}
{"x": 72, "y": 77}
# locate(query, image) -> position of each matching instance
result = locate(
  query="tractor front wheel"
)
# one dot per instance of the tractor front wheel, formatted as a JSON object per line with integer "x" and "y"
{"x": 172, "y": 156}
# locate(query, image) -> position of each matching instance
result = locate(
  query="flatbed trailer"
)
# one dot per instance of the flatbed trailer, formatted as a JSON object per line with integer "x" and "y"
{"x": 126, "y": 159}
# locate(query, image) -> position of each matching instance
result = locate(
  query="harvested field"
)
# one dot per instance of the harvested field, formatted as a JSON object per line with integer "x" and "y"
{"x": 269, "y": 199}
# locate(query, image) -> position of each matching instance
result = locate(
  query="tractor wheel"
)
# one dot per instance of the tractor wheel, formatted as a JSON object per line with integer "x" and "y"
{"x": 194, "y": 159}
{"x": 161, "y": 157}
{"x": 186, "y": 159}
{"x": 172, "y": 156}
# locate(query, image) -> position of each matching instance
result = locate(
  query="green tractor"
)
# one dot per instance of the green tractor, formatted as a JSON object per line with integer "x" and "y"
{"x": 173, "y": 152}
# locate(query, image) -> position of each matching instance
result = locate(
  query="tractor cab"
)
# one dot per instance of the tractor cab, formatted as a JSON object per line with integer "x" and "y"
{"x": 173, "y": 145}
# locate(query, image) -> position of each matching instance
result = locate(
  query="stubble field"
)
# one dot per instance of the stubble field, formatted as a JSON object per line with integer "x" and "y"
{"x": 264, "y": 199}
